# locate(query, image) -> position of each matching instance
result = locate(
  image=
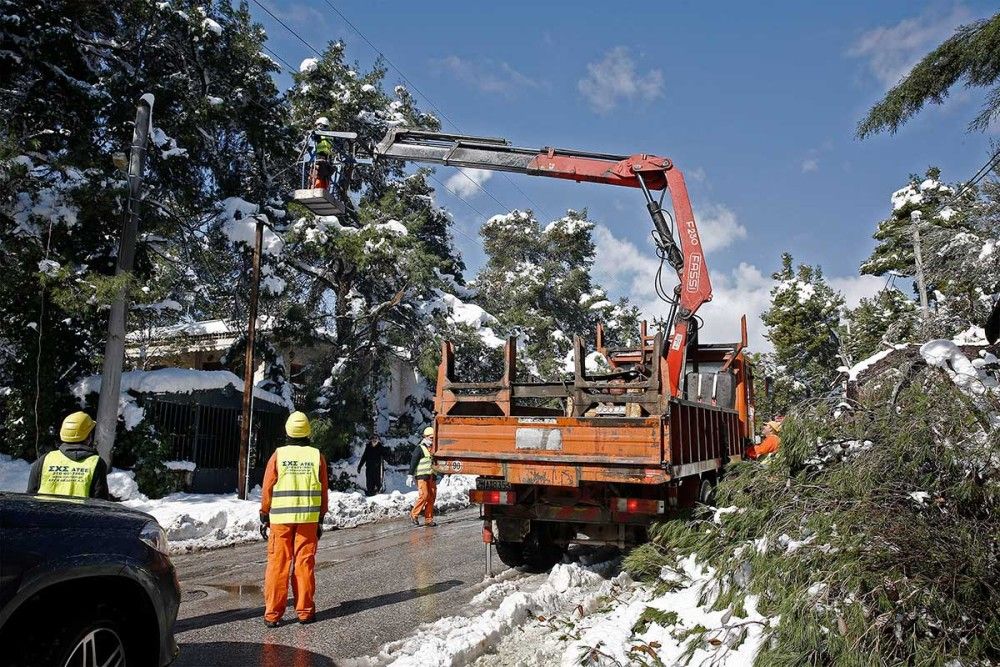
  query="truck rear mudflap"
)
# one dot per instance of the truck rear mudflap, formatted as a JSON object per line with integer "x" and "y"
{"x": 553, "y": 451}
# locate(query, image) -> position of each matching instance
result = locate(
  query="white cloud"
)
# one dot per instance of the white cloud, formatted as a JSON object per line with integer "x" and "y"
{"x": 625, "y": 269}
{"x": 485, "y": 75}
{"x": 614, "y": 79}
{"x": 718, "y": 227}
{"x": 892, "y": 50}
{"x": 810, "y": 164}
{"x": 468, "y": 182}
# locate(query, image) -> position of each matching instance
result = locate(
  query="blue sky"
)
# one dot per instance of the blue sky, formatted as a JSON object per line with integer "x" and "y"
{"x": 756, "y": 102}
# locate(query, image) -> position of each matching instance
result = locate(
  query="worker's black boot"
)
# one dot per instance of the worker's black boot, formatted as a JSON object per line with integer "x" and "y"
{"x": 415, "y": 521}
{"x": 272, "y": 624}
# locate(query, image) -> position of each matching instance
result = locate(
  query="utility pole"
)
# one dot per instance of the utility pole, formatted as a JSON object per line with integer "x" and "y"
{"x": 248, "y": 366}
{"x": 114, "y": 347}
{"x": 919, "y": 262}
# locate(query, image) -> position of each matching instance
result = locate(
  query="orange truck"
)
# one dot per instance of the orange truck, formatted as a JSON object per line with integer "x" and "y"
{"x": 600, "y": 457}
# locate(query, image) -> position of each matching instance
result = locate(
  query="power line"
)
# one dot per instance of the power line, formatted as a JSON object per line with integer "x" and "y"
{"x": 435, "y": 108}
{"x": 282, "y": 61}
{"x": 407, "y": 80}
{"x": 285, "y": 26}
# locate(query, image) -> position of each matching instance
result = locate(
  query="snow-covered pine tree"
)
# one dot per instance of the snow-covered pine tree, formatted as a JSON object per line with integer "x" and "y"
{"x": 73, "y": 73}
{"x": 885, "y": 319}
{"x": 537, "y": 282}
{"x": 803, "y": 324}
{"x": 958, "y": 232}
{"x": 380, "y": 281}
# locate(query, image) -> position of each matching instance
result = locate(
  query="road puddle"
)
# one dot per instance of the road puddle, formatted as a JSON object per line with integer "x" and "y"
{"x": 241, "y": 590}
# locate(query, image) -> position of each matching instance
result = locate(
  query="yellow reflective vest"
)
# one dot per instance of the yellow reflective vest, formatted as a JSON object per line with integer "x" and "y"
{"x": 298, "y": 494}
{"x": 426, "y": 465}
{"x": 62, "y": 476}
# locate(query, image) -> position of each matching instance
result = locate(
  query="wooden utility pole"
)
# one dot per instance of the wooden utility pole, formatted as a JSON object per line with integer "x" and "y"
{"x": 114, "y": 347}
{"x": 248, "y": 366}
{"x": 919, "y": 262}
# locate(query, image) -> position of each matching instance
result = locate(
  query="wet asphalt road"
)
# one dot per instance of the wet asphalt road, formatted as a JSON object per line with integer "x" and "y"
{"x": 374, "y": 584}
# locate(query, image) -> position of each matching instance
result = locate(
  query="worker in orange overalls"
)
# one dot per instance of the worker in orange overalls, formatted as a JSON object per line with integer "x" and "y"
{"x": 292, "y": 506}
{"x": 422, "y": 467}
{"x": 770, "y": 443}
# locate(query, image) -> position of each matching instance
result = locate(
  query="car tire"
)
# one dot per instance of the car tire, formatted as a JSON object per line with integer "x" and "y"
{"x": 96, "y": 629}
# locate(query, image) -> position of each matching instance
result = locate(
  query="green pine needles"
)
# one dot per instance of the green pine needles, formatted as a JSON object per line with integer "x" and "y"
{"x": 874, "y": 534}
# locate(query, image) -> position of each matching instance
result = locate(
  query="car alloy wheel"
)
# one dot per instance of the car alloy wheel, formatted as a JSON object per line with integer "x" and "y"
{"x": 101, "y": 647}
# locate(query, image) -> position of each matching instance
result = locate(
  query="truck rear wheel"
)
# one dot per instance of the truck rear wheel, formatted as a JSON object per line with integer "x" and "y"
{"x": 537, "y": 553}
{"x": 511, "y": 553}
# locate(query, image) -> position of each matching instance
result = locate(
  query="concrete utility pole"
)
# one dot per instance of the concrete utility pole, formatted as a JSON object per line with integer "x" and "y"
{"x": 114, "y": 348}
{"x": 248, "y": 366}
{"x": 919, "y": 261}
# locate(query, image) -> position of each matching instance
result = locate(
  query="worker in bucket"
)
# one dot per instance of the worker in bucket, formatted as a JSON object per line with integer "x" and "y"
{"x": 422, "y": 468}
{"x": 292, "y": 506}
{"x": 373, "y": 457}
{"x": 770, "y": 443}
{"x": 322, "y": 169}
{"x": 75, "y": 469}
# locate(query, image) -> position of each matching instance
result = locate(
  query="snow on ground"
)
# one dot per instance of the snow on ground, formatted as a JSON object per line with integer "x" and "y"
{"x": 196, "y": 521}
{"x": 581, "y": 614}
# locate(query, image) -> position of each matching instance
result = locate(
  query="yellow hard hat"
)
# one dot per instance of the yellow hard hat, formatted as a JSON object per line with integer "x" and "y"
{"x": 76, "y": 427}
{"x": 429, "y": 431}
{"x": 297, "y": 425}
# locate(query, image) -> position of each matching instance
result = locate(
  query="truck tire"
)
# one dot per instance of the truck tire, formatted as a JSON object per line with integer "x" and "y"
{"x": 537, "y": 553}
{"x": 511, "y": 553}
{"x": 540, "y": 551}
{"x": 706, "y": 494}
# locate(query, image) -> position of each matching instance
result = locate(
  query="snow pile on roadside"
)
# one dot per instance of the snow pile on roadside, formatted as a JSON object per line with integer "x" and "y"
{"x": 673, "y": 628}
{"x": 196, "y": 521}
{"x": 458, "y": 640}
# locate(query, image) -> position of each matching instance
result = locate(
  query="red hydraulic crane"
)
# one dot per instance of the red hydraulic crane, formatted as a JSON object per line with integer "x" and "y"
{"x": 649, "y": 173}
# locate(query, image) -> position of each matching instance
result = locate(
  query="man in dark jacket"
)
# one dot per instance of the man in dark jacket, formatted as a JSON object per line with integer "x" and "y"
{"x": 75, "y": 469}
{"x": 373, "y": 457}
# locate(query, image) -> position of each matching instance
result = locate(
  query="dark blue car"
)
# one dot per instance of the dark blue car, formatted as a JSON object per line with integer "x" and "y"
{"x": 83, "y": 583}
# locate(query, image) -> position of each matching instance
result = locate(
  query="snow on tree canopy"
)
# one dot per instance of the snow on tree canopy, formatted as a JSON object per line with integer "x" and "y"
{"x": 459, "y": 312}
{"x": 308, "y": 64}
{"x": 392, "y": 227}
{"x": 240, "y": 225}
{"x": 211, "y": 26}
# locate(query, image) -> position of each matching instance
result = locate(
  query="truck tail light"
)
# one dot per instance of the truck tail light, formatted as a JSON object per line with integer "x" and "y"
{"x": 485, "y": 497}
{"x": 637, "y": 506}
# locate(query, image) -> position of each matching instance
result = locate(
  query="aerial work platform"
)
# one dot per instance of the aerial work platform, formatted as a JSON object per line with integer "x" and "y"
{"x": 319, "y": 201}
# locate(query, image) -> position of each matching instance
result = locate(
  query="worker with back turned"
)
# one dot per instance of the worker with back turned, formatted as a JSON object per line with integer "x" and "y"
{"x": 75, "y": 469}
{"x": 292, "y": 506}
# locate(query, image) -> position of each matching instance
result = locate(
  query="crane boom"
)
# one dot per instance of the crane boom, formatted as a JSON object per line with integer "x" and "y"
{"x": 649, "y": 173}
